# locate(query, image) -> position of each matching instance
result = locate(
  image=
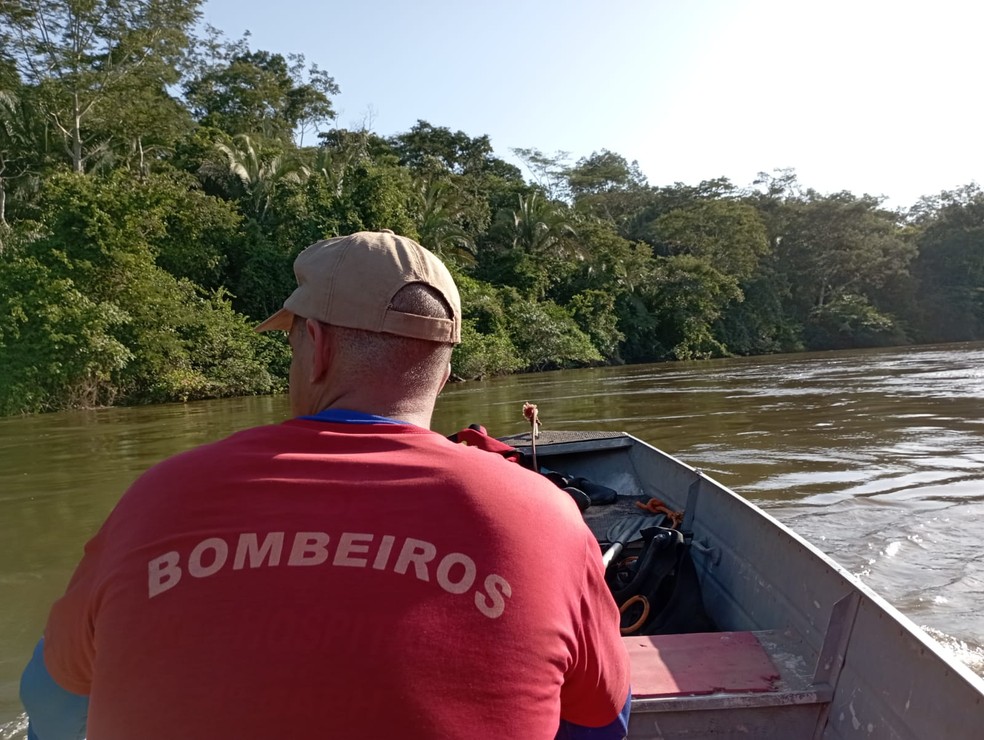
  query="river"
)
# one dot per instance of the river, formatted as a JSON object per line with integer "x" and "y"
{"x": 875, "y": 456}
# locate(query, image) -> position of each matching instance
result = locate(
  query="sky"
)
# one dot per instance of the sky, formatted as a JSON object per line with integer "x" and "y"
{"x": 869, "y": 96}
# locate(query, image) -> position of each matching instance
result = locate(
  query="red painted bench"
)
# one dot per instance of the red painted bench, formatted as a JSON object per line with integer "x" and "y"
{"x": 724, "y": 685}
{"x": 702, "y": 663}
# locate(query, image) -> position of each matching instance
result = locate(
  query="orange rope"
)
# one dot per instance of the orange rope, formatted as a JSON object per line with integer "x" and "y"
{"x": 655, "y": 506}
{"x": 641, "y": 620}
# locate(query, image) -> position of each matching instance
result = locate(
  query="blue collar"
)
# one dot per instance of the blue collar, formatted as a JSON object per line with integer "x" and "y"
{"x": 345, "y": 416}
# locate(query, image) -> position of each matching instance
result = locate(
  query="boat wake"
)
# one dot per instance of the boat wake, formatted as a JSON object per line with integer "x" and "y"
{"x": 970, "y": 655}
{"x": 14, "y": 730}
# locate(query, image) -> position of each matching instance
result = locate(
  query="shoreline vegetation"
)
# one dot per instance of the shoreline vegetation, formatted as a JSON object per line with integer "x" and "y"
{"x": 155, "y": 187}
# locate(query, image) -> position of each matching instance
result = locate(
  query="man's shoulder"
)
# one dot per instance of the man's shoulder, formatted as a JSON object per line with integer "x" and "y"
{"x": 208, "y": 460}
{"x": 516, "y": 488}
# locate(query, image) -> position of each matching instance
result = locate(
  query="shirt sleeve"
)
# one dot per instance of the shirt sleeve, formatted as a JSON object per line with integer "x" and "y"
{"x": 53, "y": 712}
{"x": 597, "y": 683}
{"x": 69, "y": 637}
{"x": 617, "y": 729}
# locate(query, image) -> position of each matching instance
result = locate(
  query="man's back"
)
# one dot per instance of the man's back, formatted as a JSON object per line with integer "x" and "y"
{"x": 353, "y": 580}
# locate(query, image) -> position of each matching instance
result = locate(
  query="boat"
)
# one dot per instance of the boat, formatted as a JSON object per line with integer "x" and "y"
{"x": 800, "y": 647}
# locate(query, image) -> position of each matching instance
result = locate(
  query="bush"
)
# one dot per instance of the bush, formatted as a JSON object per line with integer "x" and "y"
{"x": 57, "y": 347}
{"x": 480, "y": 355}
{"x": 547, "y": 337}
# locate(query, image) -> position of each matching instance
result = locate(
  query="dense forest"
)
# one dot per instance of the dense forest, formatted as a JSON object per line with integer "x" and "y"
{"x": 156, "y": 183}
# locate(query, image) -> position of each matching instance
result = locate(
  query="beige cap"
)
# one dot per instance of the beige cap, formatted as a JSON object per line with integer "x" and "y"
{"x": 351, "y": 280}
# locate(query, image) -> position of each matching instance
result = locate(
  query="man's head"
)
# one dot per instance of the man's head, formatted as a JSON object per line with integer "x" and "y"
{"x": 372, "y": 323}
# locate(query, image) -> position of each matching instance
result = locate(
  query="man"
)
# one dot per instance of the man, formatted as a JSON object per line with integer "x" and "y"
{"x": 347, "y": 573}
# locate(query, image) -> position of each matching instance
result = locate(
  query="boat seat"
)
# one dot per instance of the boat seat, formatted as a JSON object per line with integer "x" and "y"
{"x": 713, "y": 684}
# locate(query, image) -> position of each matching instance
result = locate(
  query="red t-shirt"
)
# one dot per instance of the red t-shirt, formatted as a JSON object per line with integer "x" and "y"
{"x": 315, "y": 579}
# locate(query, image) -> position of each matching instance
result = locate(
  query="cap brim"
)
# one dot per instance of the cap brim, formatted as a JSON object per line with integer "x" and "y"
{"x": 281, "y": 320}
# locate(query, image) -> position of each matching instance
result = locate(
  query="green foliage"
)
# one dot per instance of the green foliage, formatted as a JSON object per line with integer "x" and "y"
{"x": 260, "y": 275}
{"x": 199, "y": 233}
{"x": 90, "y": 318}
{"x": 483, "y": 303}
{"x": 594, "y": 313}
{"x": 607, "y": 186}
{"x": 550, "y": 172}
{"x": 503, "y": 332}
{"x": 655, "y": 202}
{"x": 245, "y": 92}
{"x": 758, "y": 324}
{"x": 96, "y": 65}
{"x": 950, "y": 268}
{"x": 688, "y": 298}
{"x": 137, "y": 277}
{"x": 850, "y": 321}
{"x": 58, "y": 346}
{"x": 376, "y": 197}
{"x": 728, "y": 234}
{"x": 215, "y": 353}
{"x": 838, "y": 245}
{"x": 435, "y": 149}
{"x": 252, "y": 170}
{"x": 482, "y": 355}
{"x": 486, "y": 348}
{"x": 530, "y": 246}
{"x": 439, "y": 212}
{"x": 547, "y": 337}
{"x": 23, "y": 148}
{"x": 300, "y": 213}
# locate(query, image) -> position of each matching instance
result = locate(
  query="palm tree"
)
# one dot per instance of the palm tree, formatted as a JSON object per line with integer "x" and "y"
{"x": 256, "y": 172}
{"x": 340, "y": 151}
{"x": 438, "y": 213}
{"x": 538, "y": 226}
{"x": 22, "y": 147}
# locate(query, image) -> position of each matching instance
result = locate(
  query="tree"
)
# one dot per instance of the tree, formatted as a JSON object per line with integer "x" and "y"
{"x": 610, "y": 263}
{"x": 375, "y": 196}
{"x": 529, "y": 245}
{"x": 58, "y": 345}
{"x": 594, "y": 313}
{"x": 546, "y": 336}
{"x": 242, "y": 91}
{"x": 200, "y": 232}
{"x": 759, "y": 323}
{"x": 438, "y": 213}
{"x": 486, "y": 347}
{"x": 607, "y": 185}
{"x": 656, "y": 202}
{"x": 339, "y": 152}
{"x": 949, "y": 268}
{"x": 728, "y": 234}
{"x": 256, "y": 171}
{"x": 549, "y": 172}
{"x": 687, "y": 298}
{"x": 90, "y": 318}
{"x": 835, "y": 249}
{"x": 22, "y": 146}
{"x": 537, "y": 226}
{"x": 436, "y": 149}
{"x": 79, "y": 56}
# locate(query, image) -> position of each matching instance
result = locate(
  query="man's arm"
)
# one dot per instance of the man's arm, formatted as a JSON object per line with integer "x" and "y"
{"x": 617, "y": 729}
{"x": 56, "y": 683}
{"x": 53, "y": 712}
{"x": 595, "y": 697}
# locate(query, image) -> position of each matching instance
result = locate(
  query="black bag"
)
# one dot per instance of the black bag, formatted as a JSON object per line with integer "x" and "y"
{"x": 657, "y": 591}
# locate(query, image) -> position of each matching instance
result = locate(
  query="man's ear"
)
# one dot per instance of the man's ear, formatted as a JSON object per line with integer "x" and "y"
{"x": 318, "y": 334}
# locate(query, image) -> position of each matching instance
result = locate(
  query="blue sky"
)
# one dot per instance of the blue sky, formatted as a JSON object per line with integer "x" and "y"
{"x": 866, "y": 95}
